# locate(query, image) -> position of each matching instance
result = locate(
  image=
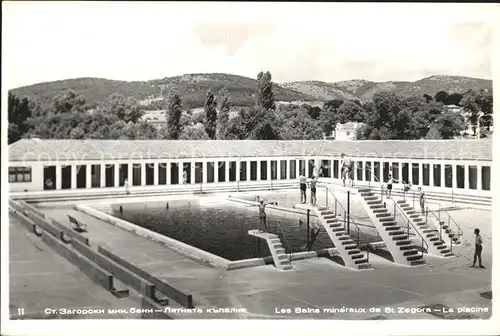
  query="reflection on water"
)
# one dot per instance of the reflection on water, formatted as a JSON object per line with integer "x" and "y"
{"x": 221, "y": 229}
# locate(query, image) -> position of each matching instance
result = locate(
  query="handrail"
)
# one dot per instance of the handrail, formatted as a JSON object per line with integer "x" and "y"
{"x": 460, "y": 231}
{"x": 438, "y": 218}
{"x": 408, "y": 227}
{"x": 277, "y": 225}
{"x": 349, "y": 220}
{"x": 376, "y": 180}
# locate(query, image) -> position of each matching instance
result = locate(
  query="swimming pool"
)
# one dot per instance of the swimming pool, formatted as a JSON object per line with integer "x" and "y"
{"x": 219, "y": 228}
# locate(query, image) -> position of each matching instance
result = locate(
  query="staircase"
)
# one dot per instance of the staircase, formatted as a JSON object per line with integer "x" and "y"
{"x": 395, "y": 238}
{"x": 346, "y": 246}
{"x": 436, "y": 245}
{"x": 442, "y": 226}
{"x": 281, "y": 260}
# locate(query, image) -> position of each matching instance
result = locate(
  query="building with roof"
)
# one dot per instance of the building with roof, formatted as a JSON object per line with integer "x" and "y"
{"x": 345, "y": 132}
{"x": 58, "y": 165}
{"x": 156, "y": 117}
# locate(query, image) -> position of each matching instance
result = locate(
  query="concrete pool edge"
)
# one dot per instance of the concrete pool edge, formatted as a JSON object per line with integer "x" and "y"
{"x": 182, "y": 248}
{"x": 192, "y": 252}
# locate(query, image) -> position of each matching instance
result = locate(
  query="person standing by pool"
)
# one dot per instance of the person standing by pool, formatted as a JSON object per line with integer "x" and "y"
{"x": 303, "y": 188}
{"x": 125, "y": 184}
{"x": 347, "y": 169}
{"x": 390, "y": 181}
{"x": 478, "y": 250}
{"x": 262, "y": 214}
{"x": 421, "y": 198}
{"x": 313, "y": 190}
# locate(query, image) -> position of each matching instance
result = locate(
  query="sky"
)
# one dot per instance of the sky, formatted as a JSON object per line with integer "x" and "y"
{"x": 47, "y": 41}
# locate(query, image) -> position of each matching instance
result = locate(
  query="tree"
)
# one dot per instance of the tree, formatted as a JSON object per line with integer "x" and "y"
{"x": 18, "y": 114}
{"x": 449, "y": 125}
{"x": 441, "y": 96}
{"x": 328, "y": 118}
{"x": 210, "y": 115}
{"x": 264, "y": 92}
{"x": 454, "y": 99}
{"x": 470, "y": 104}
{"x": 350, "y": 112}
{"x": 433, "y": 133}
{"x": 485, "y": 103}
{"x": 300, "y": 127}
{"x": 70, "y": 101}
{"x": 194, "y": 132}
{"x": 253, "y": 124}
{"x": 313, "y": 111}
{"x": 427, "y": 97}
{"x": 384, "y": 118}
{"x": 174, "y": 111}
{"x": 223, "y": 108}
{"x": 126, "y": 109}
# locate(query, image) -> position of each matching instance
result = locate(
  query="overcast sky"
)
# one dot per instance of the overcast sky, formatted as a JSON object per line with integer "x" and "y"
{"x": 297, "y": 41}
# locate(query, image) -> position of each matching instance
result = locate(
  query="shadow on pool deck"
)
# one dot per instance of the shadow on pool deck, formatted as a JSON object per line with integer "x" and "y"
{"x": 313, "y": 283}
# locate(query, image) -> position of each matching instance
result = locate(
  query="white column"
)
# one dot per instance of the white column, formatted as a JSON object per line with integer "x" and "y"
{"x": 58, "y": 177}
{"x": 193, "y": 172}
{"x": 226, "y": 169}
{"x": 130, "y": 174}
{"x": 372, "y": 174}
{"x": 306, "y": 167}
{"x": 103, "y": 175}
{"x": 204, "y": 171}
{"x": 466, "y": 177}
{"x": 73, "y": 176}
{"x": 297, "y": 168}
{"x": 248, "y": 171}
{"x": 479, "y": 178}
{"x": 117, "y": 175}
{"x": 268, "y": 169}
{"x": 410, "y": 172}
{"x": 156, "y": 170}
{"x": 431, "y": 174}
{"x": 143, "y": 173}
{"x": 420, "y": 174}
{"x": 443, "y": 179}
{"x": 180, "y": 172}
{"x": 258, "y": 170}
{"x": 454, "y": 176}
{"x": 88, "y": 176}
{"x": 278, "y": 169}
{"x": 382, "y": 171}
{"x": 238, "y": 170}
{"x": 168, "y": 166}
{"x": 400, "y": 167}
{"x": 216, "y": 171}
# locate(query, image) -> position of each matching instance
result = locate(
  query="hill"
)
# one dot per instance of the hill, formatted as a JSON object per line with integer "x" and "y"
{"x": 364, "y": 90}
{"x": 192, "y": 88}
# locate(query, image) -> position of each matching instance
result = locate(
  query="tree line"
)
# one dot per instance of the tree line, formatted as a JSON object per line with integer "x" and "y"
{"x": 386, "y": 116}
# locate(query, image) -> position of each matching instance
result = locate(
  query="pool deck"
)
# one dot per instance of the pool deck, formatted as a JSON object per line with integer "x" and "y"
{"x": 40, "y": 279}
{"x": 264, "y": 291}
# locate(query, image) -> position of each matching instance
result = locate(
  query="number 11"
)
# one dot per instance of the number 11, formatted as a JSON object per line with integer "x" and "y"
{"x": 20, "y": 311}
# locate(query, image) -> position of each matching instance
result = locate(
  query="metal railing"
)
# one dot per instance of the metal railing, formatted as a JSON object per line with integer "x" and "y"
{"x": 277, "y": 227}
{"x": 397, "y": 209}
{"x": 437, "y": 217}
{"x": 381, "y": 184}
{"x": 347, "y": 221}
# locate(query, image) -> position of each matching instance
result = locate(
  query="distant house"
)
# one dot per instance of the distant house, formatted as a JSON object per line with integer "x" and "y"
{"x": 454, "y": 108}
{"x": 345, "y": 132}
{"x": 157, "y": 117}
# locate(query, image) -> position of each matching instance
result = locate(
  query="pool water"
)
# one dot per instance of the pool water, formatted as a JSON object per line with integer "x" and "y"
{"x": 219, "y": 228}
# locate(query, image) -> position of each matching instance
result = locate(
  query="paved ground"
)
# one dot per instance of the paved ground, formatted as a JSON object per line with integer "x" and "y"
{"x": 314, "y": 283}
{"x": 41, "y": 278}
